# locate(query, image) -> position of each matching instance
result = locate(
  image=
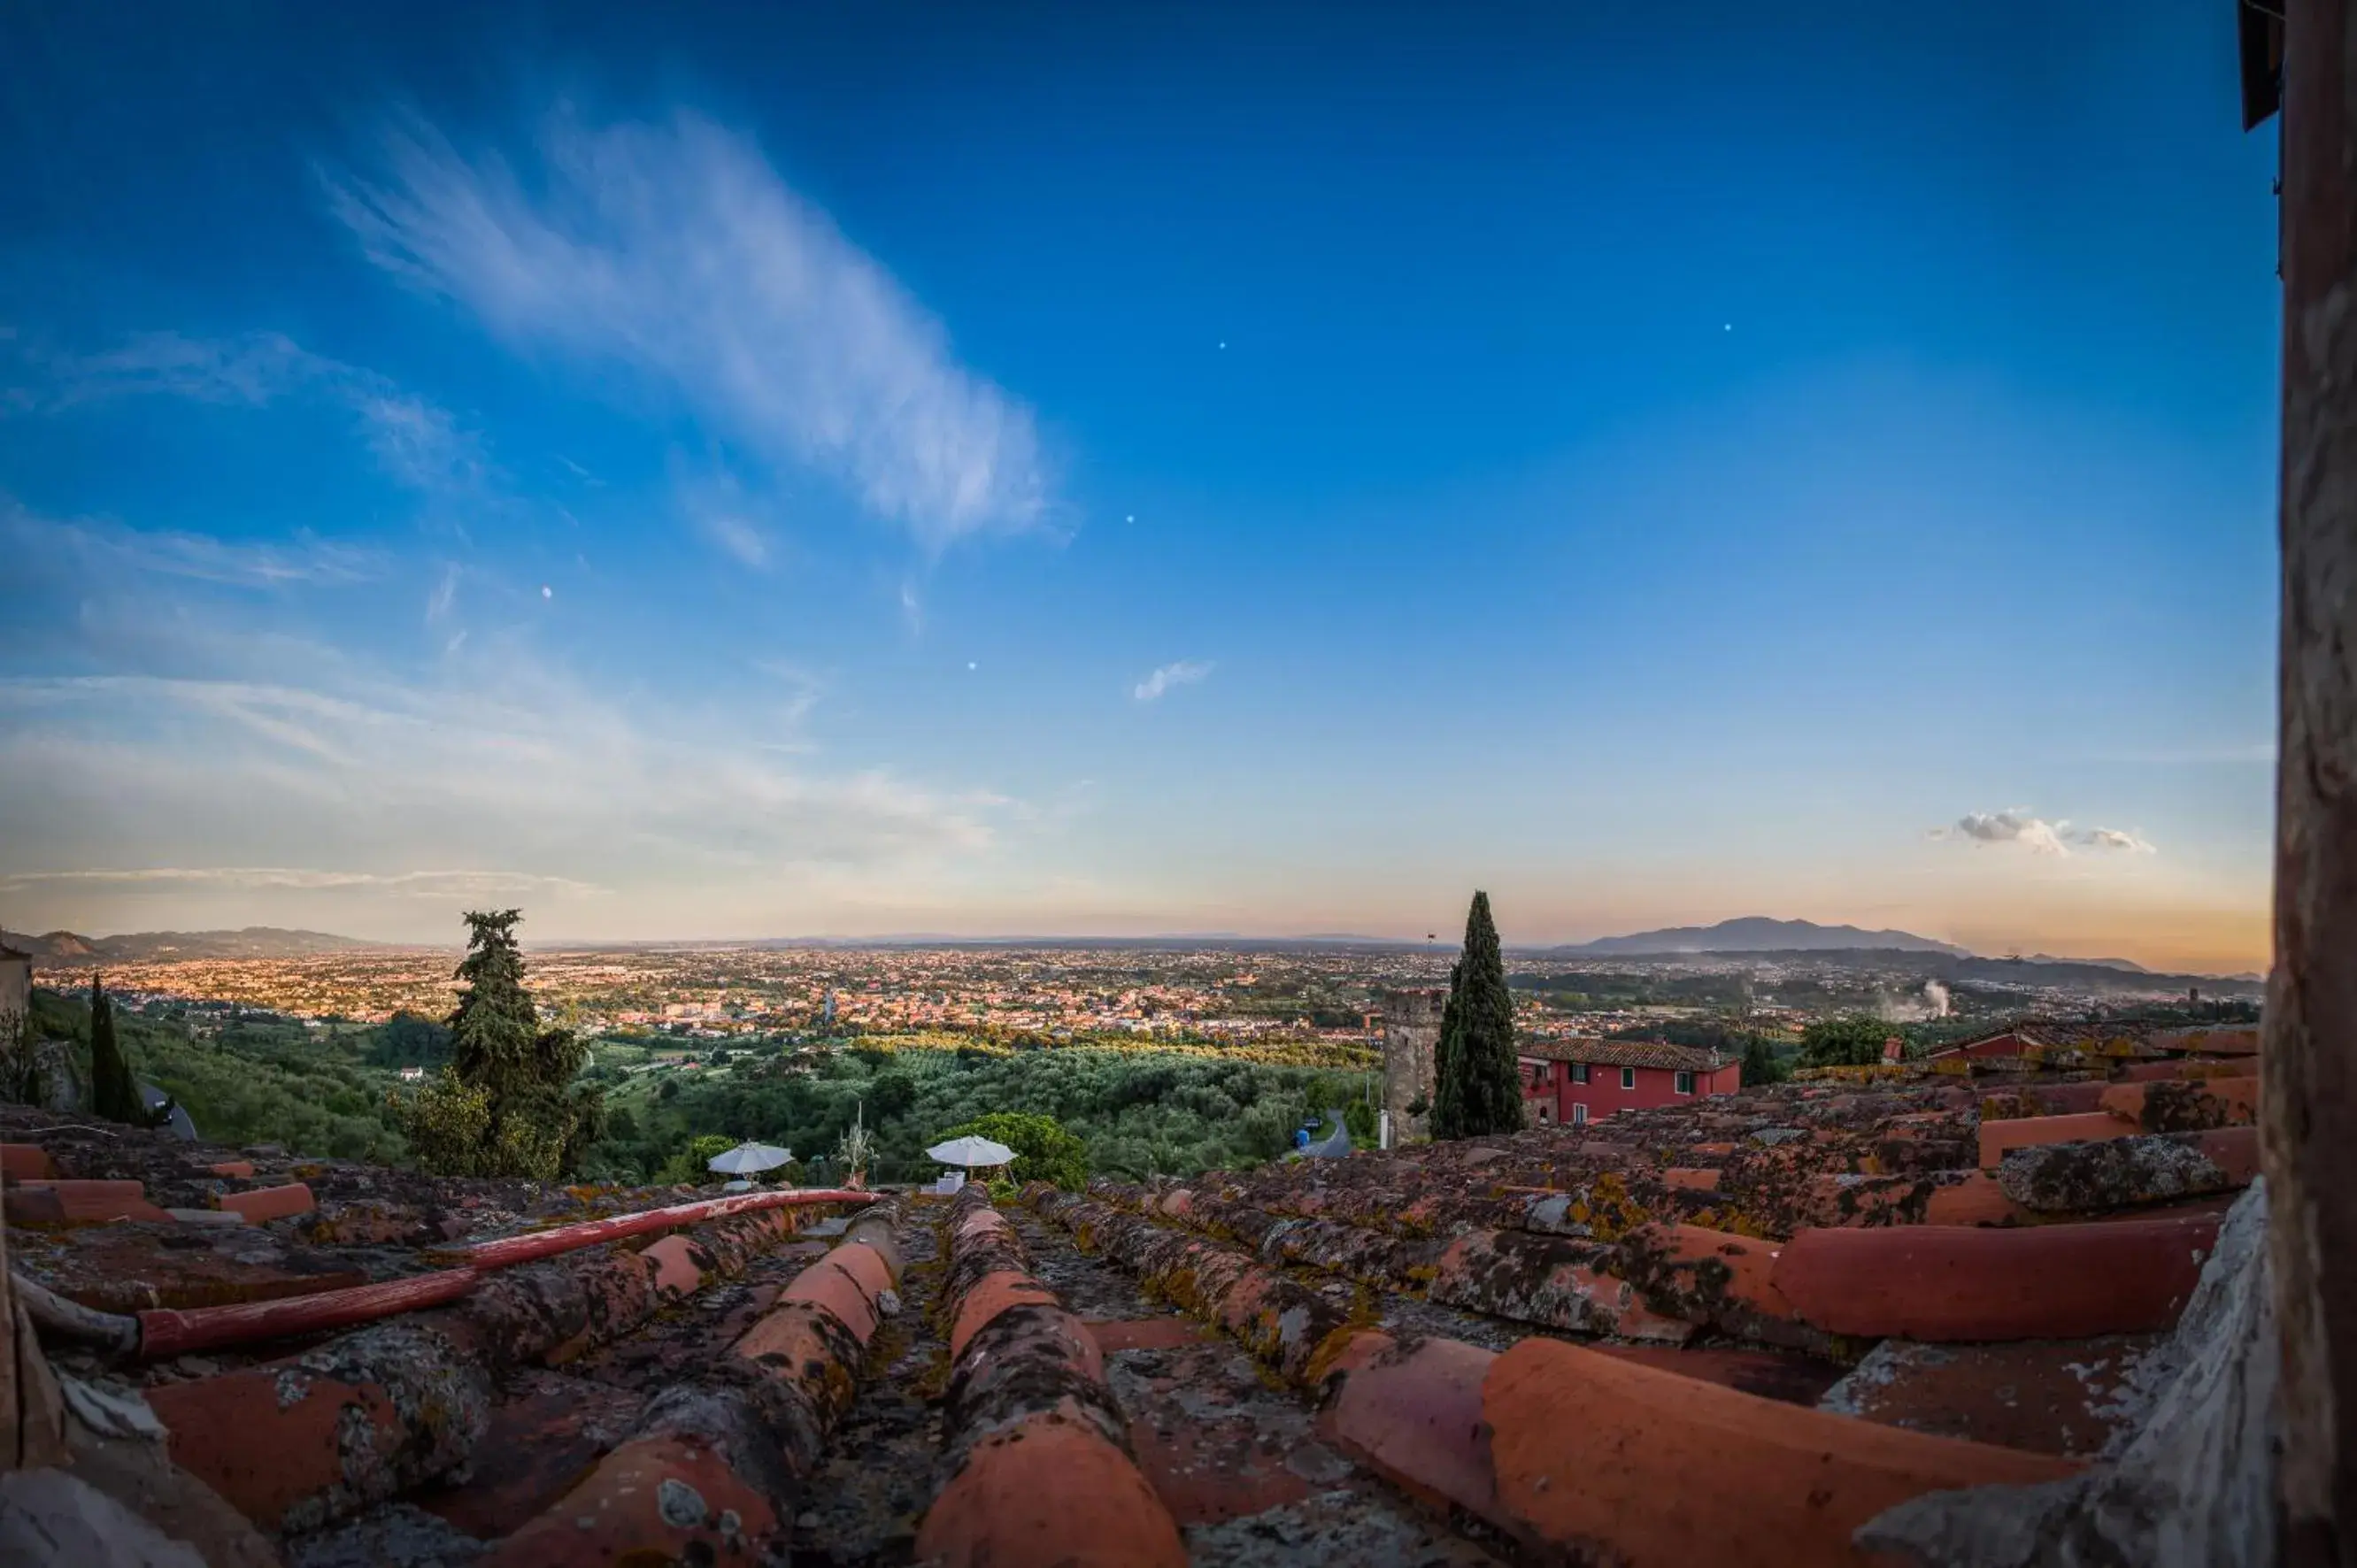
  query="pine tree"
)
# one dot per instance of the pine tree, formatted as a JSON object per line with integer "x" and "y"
{"x": 505, "y": 1105}
{"x": 114, "y": 1092}
{"x": 1758, "y": 1063}
{"x": 1481, "y": 1084}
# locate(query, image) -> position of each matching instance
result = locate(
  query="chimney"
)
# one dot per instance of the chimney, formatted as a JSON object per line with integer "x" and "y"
{"x": 1893, "y": 1050}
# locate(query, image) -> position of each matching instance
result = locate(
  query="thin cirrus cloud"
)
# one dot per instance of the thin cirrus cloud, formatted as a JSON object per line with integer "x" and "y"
{"x": 103, "y": 544}
{"x": 557, "y": 784}
{"x": 675, "y": 249}
{"x": 408, "y": 884}
{"x": 417, "y": 442}
{"x": 739, "y": 537}
{"x": 718, "y": 508}
{"x": 2018, "y": 828}
{"x": 1185, "y": 673}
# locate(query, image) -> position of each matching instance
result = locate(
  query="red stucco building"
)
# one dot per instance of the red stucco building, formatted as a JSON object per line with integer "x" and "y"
{"x": 1573, "y": 1082}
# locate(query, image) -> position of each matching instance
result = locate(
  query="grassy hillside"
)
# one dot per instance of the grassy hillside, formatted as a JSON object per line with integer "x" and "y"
{"x": 252, "y": 1078}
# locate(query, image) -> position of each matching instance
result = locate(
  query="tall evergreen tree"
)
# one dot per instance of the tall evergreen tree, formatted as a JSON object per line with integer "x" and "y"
{"x": 114, "y": 1092}
{"x": 1481, "y": 1084}
{"x": 505, "y": 1105}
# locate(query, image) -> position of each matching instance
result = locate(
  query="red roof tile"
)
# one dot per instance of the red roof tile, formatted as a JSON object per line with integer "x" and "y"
{"x": 1624, "y": 1053}
{"x": 1957, "y": 1282}
{"x": 1602, "y": 1456}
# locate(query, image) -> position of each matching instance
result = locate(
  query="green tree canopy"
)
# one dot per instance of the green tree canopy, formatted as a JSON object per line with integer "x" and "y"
{"x": 891, "y": 1095}
{"x": 1043, "y": 1150}
{"x": 406, "y": 1039}
{"x": 694, "y": 1163}
{"x": 506, "y": 1105}
{"x": 1853, "y": 1039}
{"x": 1761, "y": 1065}
{"x": 1480, "y": 1085}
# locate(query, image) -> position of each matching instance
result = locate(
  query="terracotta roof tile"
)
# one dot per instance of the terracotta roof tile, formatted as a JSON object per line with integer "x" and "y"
{"x": 1957, "y": 1282}
{"x": 1591, "y": 1450}
{"x": 1759, "y": 1225}
{"x": 1623, "y": 1053}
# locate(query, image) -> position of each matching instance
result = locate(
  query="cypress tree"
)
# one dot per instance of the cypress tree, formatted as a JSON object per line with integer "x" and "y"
{"x": 114, "y": 1092}
{"x": 1480, "y": 1086}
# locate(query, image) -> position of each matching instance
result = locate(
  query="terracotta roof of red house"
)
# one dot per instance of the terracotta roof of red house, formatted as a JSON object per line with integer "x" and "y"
{"x": 1624, "y": 1053}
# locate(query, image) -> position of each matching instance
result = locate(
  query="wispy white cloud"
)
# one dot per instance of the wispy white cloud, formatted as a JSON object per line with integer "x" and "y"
{"x": 443, "y": 601}
{"x": 717, "y": 508}
{"x": 677, "y": 250}
{"x": 444, "y": 885}
{"x": 417, "y": 442}
{"x": 496, "y": 761}
{"x": 739, "y": 538}
{"x": 803, "y": 690}
{"x": 2016, "y": 827}
{"x": 1185, "y": 673}
{"x": 252, "y": 370}
{"x": 109, "y": 545}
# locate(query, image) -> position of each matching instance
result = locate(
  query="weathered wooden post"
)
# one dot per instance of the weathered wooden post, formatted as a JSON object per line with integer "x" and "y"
{"x": 2310, "y": 1095}
{"x": 32, "y": 1415}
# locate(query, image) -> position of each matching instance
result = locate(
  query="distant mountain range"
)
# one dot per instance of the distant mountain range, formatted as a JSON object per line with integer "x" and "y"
{"x": 67, "y": 948}
{"x": 1840, "y": 945}
{"x": 1757, "y": 934}
{"x": 2129, "y": 965}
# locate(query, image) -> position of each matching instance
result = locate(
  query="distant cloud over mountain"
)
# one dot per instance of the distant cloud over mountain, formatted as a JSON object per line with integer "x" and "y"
{"x": 2035, "y": 834}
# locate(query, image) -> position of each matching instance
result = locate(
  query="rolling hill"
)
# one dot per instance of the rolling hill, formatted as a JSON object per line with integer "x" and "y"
{"x": 1757, "y": 934}
{"x": 66, "y": 949}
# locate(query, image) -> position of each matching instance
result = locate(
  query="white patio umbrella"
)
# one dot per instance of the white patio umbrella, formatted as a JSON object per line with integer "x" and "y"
{"x": 970, "y": 1151}
{"x": 747, "y": 1158}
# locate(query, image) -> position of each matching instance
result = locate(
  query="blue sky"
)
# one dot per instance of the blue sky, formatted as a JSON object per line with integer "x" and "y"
{"x": 853, "y": 470}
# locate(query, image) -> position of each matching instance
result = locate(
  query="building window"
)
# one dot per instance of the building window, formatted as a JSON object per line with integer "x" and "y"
{"x": 1546, "y": 1114}
{"x": 1579, "y": 1072}
{"x": 1579, "y": 1115}
{"x": 1628, "y": 1077}
{"x": 1685, "y": 1084}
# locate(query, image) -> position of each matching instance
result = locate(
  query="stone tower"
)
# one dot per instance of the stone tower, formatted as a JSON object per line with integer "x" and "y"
{"x": 1411, "y": 1033}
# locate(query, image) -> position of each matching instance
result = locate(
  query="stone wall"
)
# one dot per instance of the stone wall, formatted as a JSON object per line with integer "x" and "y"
{"x": 16, "y": 983}
{"x": 1411, "y": 1032}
